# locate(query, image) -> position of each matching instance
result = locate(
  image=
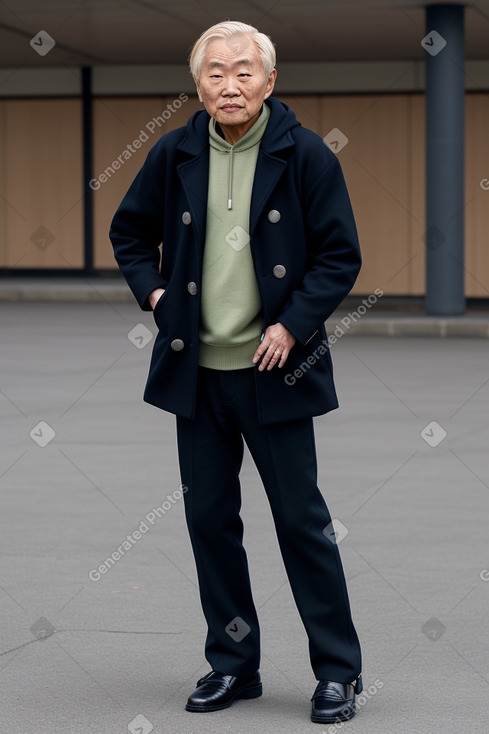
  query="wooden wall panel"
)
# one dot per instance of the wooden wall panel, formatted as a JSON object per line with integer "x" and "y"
{"x": 477, "y": 196}
{"x": 375, "y": 161}
{"x": 307, "y": 108}
{"x": 43, "y": 183}
{"x": 417, "y": 186}
{"x": 118, "y": 122}
{"x": 3, "y": 189}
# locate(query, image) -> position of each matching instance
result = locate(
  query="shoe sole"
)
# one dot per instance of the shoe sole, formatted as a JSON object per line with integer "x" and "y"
{"x": 334, "y": 719}
{"x": 253, "y": 692}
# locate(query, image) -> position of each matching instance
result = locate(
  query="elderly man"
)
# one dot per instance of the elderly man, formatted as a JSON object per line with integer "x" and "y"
{"x": 259, "y": 248}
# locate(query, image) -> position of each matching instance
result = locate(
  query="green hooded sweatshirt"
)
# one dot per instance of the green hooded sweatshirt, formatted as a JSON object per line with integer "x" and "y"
{"x": 231, "y": 309}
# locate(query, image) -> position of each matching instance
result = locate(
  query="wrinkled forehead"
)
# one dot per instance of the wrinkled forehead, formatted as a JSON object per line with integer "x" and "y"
{"x": 231, "y": 52}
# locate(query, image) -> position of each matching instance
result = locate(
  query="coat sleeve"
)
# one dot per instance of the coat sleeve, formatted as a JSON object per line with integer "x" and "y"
{"x": 335, "y": 258}
{"x": 136, "y": 233}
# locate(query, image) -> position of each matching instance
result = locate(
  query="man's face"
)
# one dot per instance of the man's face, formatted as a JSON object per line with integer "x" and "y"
{"x": 233, "y": 85}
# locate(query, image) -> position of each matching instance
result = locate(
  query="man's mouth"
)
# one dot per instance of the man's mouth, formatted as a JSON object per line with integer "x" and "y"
{"x": 231, "y": 107}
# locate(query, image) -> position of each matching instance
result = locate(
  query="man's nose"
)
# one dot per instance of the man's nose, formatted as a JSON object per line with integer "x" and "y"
{"x": 230, "y": 88}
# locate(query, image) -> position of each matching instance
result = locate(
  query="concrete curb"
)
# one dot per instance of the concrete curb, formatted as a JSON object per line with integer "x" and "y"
{"x": 66, "y": 290}
{"x": 419, "y": 326}
{"x": 379, "y": 321}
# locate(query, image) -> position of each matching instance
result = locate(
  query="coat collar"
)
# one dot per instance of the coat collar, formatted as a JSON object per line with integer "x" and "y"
{"x": 277, "y": 135}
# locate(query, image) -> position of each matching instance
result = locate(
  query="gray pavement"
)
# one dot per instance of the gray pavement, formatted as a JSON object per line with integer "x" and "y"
{"x": 84, "y": 464}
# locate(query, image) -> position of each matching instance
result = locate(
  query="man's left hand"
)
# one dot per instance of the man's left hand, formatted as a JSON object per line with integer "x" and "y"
{"x": 274, "y": 348}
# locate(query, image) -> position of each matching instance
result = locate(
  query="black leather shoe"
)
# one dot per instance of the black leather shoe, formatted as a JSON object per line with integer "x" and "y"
{"x": 216, "y": 691}
{"x": 334, "y": 701}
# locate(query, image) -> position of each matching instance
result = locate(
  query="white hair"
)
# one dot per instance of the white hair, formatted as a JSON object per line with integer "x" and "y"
{"x": 228, "y": 29}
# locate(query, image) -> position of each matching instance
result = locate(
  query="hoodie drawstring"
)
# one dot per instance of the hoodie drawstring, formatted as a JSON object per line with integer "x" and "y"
{"x": 230, "y": 179}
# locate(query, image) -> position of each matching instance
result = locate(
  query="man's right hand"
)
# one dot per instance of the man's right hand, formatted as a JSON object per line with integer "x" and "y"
{"x": 155, "y": 296}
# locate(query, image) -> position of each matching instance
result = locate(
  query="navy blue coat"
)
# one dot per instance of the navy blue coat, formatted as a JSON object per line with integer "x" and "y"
{"x": 304, "y": 246}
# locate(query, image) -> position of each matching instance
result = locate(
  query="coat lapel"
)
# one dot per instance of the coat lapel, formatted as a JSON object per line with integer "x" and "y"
{"x": 267, "y": 173}
{"x": 194, "y": 171}
{"x": 194, "y": 175}
{"x": 271, "y": 162}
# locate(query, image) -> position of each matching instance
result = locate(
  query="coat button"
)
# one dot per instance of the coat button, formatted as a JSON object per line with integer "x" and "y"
{"x": 186, "y": 217}
{"x": 177, "y": 345}
{"x": 279, "y": 271}
{"x": 274, "y": 216}
{"x": 192, "y": 288}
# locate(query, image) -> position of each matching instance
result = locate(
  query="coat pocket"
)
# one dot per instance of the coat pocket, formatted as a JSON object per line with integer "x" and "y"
{"x": 159, "y": 308}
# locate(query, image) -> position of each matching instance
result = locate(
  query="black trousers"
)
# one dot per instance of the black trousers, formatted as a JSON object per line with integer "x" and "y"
{"x": 210, "y": 451}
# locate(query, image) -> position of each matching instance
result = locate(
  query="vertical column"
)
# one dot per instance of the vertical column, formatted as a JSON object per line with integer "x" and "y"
{"x": 87, "y": 168}
{"x": 445, "y": 107}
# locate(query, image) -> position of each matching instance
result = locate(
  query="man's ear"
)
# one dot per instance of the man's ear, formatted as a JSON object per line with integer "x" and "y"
{"x": 271, "y": 83}
{"x": 198, "y": 89}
